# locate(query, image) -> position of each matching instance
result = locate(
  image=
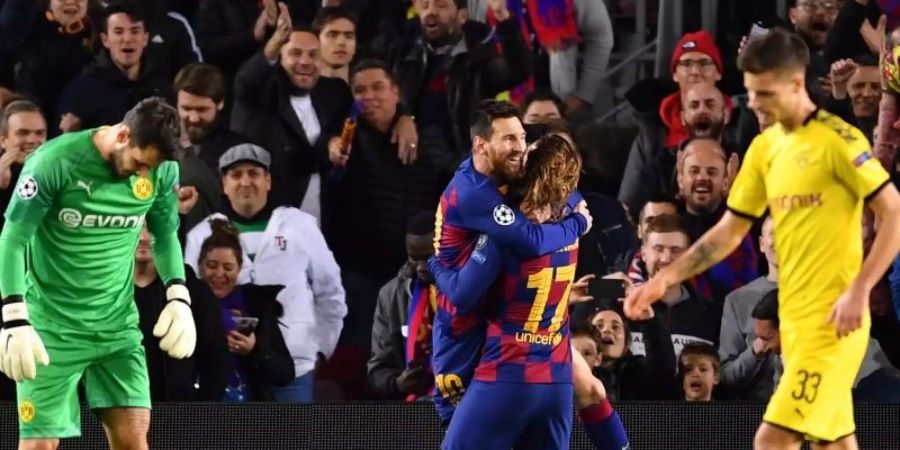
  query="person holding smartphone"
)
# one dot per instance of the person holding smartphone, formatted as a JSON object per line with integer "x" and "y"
{"x": 249, "y": 315}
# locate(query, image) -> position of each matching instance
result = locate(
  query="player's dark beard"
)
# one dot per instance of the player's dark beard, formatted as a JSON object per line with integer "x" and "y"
{"x": 116, "y": 162}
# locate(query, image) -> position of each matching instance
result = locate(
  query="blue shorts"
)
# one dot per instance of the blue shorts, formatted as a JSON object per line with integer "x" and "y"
{"x": 497, "y": 416}
{"x": 454, "y": 358}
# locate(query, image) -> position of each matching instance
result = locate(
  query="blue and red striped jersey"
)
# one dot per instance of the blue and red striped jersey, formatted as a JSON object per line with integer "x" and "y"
{"x": 526, "y": 310}
{"x": 473, "y": 204}
{"x": 527, "y": 338}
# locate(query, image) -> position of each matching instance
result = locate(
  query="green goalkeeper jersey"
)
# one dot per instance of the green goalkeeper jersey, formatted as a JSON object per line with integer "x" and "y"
{"x": 80, "y": 261}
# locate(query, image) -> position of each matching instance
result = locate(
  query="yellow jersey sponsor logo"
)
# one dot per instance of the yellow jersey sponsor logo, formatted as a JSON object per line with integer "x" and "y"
{"x": 796, "y": 201}
{"x": 552, "y": 339}
{"x": 26, "y": 411}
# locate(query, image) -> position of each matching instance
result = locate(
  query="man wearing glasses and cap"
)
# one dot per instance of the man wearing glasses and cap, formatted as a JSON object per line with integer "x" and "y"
{"x": 282, "y": 246}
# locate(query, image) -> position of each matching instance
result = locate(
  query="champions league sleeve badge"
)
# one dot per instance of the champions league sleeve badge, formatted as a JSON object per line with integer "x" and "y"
{"x": 504, "y": 215}
{"x": 28, "y": 188}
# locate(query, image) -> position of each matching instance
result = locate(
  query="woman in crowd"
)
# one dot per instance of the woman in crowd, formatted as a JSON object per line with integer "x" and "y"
{"x": 628, "y": 376}
{"x": 249, "y": 315}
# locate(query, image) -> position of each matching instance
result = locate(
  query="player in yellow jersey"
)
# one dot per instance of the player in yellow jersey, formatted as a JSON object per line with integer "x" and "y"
{"x": 814, "y": 173}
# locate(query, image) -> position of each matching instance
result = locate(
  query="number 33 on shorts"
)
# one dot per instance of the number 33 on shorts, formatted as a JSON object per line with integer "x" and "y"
{"x": 808, "y": 386}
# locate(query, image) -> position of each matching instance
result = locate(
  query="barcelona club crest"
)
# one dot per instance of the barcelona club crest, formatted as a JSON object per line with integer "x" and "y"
{"x": 142, "y": 188}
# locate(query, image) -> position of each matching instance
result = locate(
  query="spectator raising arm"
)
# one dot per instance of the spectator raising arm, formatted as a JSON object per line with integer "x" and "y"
{"x": 513, "y": 66}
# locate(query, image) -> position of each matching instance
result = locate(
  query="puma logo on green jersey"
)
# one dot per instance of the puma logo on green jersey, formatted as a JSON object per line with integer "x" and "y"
{"x": 72, "y": 218}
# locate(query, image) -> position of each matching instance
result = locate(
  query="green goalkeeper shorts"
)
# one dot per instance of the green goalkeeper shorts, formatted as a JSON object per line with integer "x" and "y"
{"x": 111, "y": 365}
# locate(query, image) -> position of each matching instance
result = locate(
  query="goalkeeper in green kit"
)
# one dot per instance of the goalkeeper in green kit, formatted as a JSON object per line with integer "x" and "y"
{"x": 73, "y": 222}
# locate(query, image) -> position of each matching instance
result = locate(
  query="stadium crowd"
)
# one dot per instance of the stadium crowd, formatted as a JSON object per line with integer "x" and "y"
{"x": 318, "y": 235}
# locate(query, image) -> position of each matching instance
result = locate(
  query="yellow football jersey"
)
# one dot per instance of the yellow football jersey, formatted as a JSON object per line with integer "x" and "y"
{"x": 814, "y": 181}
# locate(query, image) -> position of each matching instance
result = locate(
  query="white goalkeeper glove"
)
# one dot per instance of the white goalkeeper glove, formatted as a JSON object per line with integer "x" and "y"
{"x": 175, "y": 326}
{"x": 20, "y": 345}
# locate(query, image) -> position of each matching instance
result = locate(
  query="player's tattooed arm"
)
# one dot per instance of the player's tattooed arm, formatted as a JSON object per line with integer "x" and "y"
{"x": 711, "y": 248}
{"x": 700, "y": 257}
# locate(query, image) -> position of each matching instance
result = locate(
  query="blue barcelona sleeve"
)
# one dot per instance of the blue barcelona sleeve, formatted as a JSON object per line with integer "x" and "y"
{"x": 466, "y": 287}
{"x": 484, "y": 210}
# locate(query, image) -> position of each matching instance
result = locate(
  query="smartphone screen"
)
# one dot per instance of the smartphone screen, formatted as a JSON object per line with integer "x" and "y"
{"x": 245, "y": 325}
{"x": 607, "y": 289}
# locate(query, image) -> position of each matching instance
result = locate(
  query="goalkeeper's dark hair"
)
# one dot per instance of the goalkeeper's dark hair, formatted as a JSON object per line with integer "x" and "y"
{"x": 154, "y": 123}
{"x": 224, "y": 235}
{"x": 488, "y": 112}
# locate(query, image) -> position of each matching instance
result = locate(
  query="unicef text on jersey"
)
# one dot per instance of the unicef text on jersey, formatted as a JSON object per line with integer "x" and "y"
{"x": 73, "y": 218}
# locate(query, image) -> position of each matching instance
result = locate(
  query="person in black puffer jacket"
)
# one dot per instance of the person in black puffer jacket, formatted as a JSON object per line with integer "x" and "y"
{"x": 446, "y": 72}
{"x": 118, "y": 78}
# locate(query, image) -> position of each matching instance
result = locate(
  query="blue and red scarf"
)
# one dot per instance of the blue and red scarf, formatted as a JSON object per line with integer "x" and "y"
{"x": 554, "y": 23}
{"x": 517, "y": 10}
{"x": 422, "y": 305}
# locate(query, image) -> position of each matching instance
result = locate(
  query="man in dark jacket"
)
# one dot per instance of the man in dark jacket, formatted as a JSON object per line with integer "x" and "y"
{"x": 377, "y": 194}
{"x": 282, "y": 104}
{"x": 703, "y": 186}
{"x": 688, "y": 316}
{"x": 454, "y": 64}
{"x": 200, "y": 98}
{"x": 118, "y": 79}
{"x": 390, "y": 377}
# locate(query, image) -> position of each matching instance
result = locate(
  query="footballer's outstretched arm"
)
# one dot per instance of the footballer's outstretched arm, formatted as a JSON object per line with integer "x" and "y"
{"x": 712, "y": 247}
{"x": 485, "y": 211}
{"x": 465, "y": 287}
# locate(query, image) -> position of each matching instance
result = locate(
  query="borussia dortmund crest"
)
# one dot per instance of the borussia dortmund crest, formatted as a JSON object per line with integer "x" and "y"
{"x": 26, "y": 411}
{"x": 142, "y": 188}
